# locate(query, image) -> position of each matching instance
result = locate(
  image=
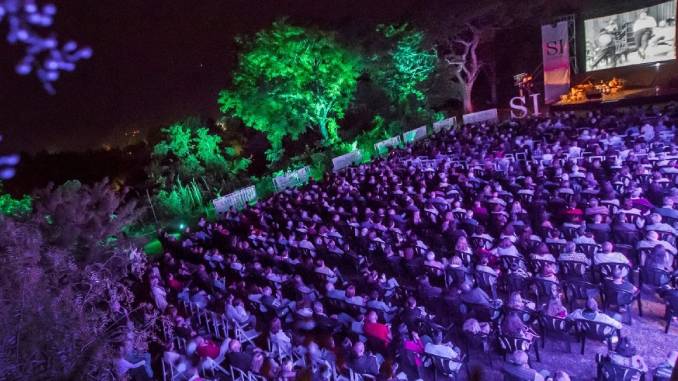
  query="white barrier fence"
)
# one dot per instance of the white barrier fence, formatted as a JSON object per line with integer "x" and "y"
{"x": 385, "y": 145}
{"x": 346, "y": 160}
{"x": 444, "y": 124}
{"x": 414, "y": 135}
{"x": 239, "y": 198}
{"x": 292, "y": 179}
{"x": 236, "y": 200}
{"x": 490, "y": 115}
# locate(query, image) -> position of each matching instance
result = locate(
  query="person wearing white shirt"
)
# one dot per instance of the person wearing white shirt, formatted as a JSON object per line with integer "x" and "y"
{"x": 446, "y": 350}
{"x": 652, "y": 239}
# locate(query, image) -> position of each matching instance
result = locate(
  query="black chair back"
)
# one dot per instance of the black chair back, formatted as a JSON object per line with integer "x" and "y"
{"x": 508, "y": 262}
{"x": 545, "y": 288}
{"x": 654, "y": 277}
{"x": 594, "y": 329}
{"x": 606, "y": 270}
{"x": 515, "y": 282}
{"x": 588, "y": 249}
{"x": 510, "y": 344}
{"x": 537, "y": 264}
{"x": 466, "y": 258}
{"x": 572, "y": 270}
{"x": 445, "y": 365}
{"x": 555, "y": 325}
{"x": 555, "y": 248}
{"x": 487, "y": 282}
{"x": 580, "y": 290}
{"x": 610, "y": 371}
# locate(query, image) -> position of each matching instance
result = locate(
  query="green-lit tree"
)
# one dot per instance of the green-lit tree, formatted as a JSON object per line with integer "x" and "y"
{"x": 191, "y": 161}
{"x": 14, "y": 207}
{"x": 406, "y": 65}
{"x": 289, "y": 80}
{"x": 402, "y": 66}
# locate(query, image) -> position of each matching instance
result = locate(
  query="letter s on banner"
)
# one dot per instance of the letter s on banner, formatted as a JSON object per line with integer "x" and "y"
{"x": 519, "y": 107}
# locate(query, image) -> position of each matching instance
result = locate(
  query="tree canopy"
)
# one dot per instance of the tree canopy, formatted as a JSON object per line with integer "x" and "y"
{"x": 401, "y": 66}
{"x": 188, "y": 150}
{"x": 406, "y": 65}
{"x": 289, "y": 80}
{"x": 65, "y": 286}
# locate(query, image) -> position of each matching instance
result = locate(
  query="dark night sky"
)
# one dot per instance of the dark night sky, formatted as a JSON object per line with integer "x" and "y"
{"x": 154, "y": 62}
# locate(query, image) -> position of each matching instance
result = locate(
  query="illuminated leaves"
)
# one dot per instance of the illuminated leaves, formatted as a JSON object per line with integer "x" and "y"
{"x": 15, "y": 207}
{"x": 291, "y": 79}
{"x": 403, "y": 69}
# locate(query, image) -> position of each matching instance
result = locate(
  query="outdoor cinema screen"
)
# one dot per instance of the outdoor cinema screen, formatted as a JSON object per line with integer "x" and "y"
{"x": 641, "y": 36}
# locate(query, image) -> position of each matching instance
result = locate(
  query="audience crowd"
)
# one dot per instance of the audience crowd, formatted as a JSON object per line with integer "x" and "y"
{"x": 485, "y": 239}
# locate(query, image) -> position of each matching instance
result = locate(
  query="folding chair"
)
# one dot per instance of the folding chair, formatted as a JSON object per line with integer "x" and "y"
{"x": 245, "y": 333}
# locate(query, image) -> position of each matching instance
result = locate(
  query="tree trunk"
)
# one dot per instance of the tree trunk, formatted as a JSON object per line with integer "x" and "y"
{"x": 323, "y": 130}
{"x": 493, "y": 86}
{"x": 468, "y": 100}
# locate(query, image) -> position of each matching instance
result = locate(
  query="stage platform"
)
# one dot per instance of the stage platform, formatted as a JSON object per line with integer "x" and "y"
{"x": 626, "y": 97}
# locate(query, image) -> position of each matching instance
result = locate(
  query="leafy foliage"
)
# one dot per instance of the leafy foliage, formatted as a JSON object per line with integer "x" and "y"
{"x": 82, "y": 219}
{"x": 190, "y": 154}
{"x": 64, "y": 315}
{"x": 181, "y": 200}
{"x": 189, "y": 150}
{"x": 402, "y": 67}
{"x": 291, "y": 79}
{"x": 15, "y": 207}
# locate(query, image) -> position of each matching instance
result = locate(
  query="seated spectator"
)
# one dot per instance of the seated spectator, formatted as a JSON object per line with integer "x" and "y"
{"x": 570, "y": 254}
{"x": 377, "y": 330}
{"x": 513, "y": 326}
{"x": 658, "y": 258}
{"x": 625, "y": 355}
{"x": 600, "y": 229}
{"x": 548, "y": 272}
{"x": 618, "y": 282}
{"x": 518, "y": 368}
{"x": 352, "y": 298}
{"x": 652, "y": 239}
{"x": 667, "y": 210}
{"x": 516, "y": 302}
{"x": 474, "y": 327}
{"x": 426, "y": 289}
{"x": 376, "y": 303}
{"x": 236, "y": 358}
{"x": 667, "y": 369}
{"x": 431, "y": 261}
{"x": 326, "y": 271}
{"x": 362, "y": 363}
{"x": 333, "y": 293}
{"x": 279, "y": 339}
{"x": 274, "y": 302}
{"x": 507, "y": 248}
{"x": 413, "y": 344}
{"x": 606, "y": 255}
{"x": 122, "y": 366}
{"x": 445, "y": 350}
{"x": 657, "y": 225}
{"x": 554, "y": 307}
{"x": 591, "y": 312}
{"x": 475, "y": 295}
{"x": 236, "y": 311}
